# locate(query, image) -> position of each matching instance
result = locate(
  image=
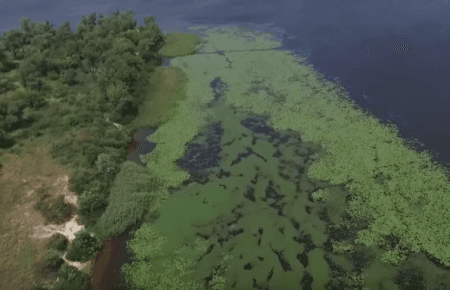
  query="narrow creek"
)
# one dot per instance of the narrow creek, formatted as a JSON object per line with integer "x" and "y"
{"x": 105, "y": 271}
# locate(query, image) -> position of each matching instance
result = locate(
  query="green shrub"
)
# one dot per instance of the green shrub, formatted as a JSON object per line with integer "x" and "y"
{"x": 69, "y": 122}
{"x": 83, "y": 247}
{"x": 53, "y": 209}
{"x": 6, "y": 86}
{"x": 60, "y": 90}
{"x": 91, "y": 206}
{"x": 71, "y": 279}
{"x": 5, "y": 140}
{"x": 53, "y": 75}
{"x": 133, "y": 195}
{"x": 54, "y": 258}
{"x": 58, "y": 242}
{"x": 68, "y": 77}
{"x": 105, "y": 164}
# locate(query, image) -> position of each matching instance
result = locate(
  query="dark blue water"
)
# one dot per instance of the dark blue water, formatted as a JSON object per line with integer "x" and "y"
{"x": 392, "y": 56}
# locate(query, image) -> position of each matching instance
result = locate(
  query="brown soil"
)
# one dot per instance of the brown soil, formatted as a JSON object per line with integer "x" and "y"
{"x": 24, "y": 234}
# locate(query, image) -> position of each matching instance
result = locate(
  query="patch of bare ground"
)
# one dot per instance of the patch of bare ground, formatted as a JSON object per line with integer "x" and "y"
{"x": 24, "y": 231}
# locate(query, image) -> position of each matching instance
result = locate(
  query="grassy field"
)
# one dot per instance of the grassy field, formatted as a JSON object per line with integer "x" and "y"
{"x": 21, "y": 176}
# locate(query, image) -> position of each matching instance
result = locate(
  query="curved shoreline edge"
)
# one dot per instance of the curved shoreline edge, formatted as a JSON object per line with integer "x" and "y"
{"x": 402, "y": 192}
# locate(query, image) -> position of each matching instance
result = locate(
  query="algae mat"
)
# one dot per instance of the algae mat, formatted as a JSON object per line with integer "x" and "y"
{"x": 275, "y": 180}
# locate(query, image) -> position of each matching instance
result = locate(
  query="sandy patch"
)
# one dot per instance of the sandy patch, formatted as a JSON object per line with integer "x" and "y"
{"x": 27, "y": 220}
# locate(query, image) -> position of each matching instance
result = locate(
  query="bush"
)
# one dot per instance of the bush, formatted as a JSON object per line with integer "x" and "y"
{"x": 83, "y": 247}
{"x": 122, "y": 215}
{"x": 6, "y": 86}
{"x": 91, "y": 206}
{"x": 54, "y": 260}
{"x": 133, "y": 196}
{"x": 11, "y": 123}
{"x": 128, "y": 110}
{"x": 59, "y": 90}
{"x": 58, "y": 242}
{"x": 6, "y": 141}
{"x": 81, "y": 179}
{"x": 5, "y": 62}
{"x": 68, "y": 77}
{"x": 53, "y": 209}
{"x": 69, "y": 122}
{"x": 71, "y": 278}
{"x": 105, "y": 164}
{"x": 53, "y": 75}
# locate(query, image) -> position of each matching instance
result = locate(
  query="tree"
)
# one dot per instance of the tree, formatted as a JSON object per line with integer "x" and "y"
{"x": 6, "y": 63}
{"x": 64, "y": 32}
{"x": 10, "y": 122}
{"x": 83, "y": 247}
{"x": 69, "y": 77}
{"x": 133, "y": 35}
{"x": 43, "y": 28}
{"x": 58, "y": 242}
{"x": 125, "y": 69}
{"x": 149, "y": 20}
{"x": 5, "y": 140}
{"x": 81, "y": 179}
{"x": 26, "y": 24}
{"x": 151, "y": 40}
{"x": 31, "y": 99}
{"x": 29, "y": 50}
{"x": 71, "y": 278}
{"x": 115, "y": 92}
{"x": 116, "y": 23}
{"x": 13, "y": 40}
{"x": 6, "y": 85}
{"x": 86, "y": 24}
{"x": 91, "y": 205}
{"x": 32, "y": 70}
{"x": 126, "y": 21}
{"x": 38, "y": 85}
{"x": 128, "y": 110}
{"x": 123, "y": 45}
{"x": 91, "y": 19}
{"x": 53, "y": 260}
{"x": 31, "y": 65}
{"x": 41, "y": 42}
{"x": 105, "y": 164}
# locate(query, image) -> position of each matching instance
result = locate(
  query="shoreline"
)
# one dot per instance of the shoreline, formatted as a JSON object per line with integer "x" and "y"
{"x": 359, "y": 151}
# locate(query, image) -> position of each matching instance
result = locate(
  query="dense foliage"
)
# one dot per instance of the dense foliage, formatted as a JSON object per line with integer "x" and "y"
{"x": 58, "y": 242}
{"x": 71, "y": 278}
{"x": 101, "y": 70}
{"x": 83, "y": 247}
{"x": 55, "y": 210}
{"x": 69, "y": 87}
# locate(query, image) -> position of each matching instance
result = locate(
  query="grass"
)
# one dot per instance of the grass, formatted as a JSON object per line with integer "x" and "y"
{"x": 22, "y": 256}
